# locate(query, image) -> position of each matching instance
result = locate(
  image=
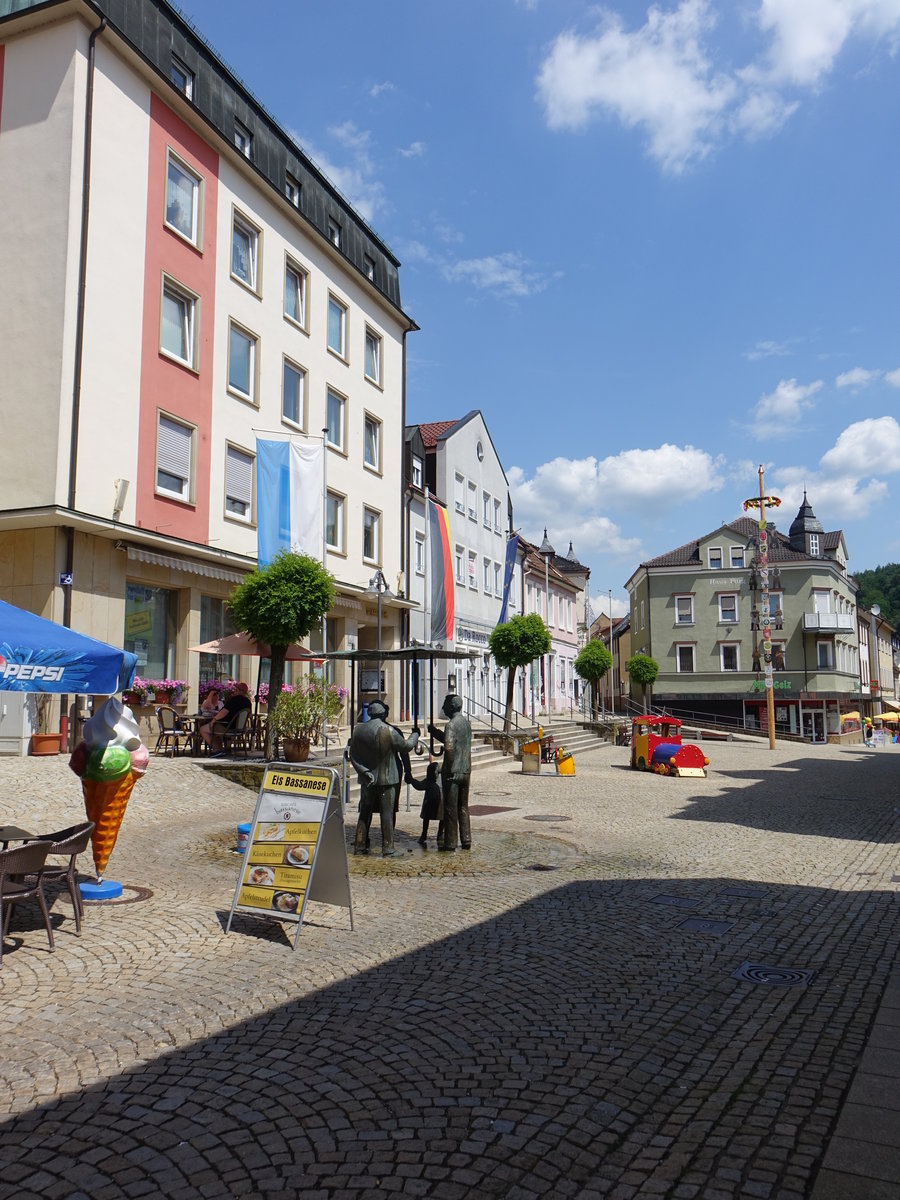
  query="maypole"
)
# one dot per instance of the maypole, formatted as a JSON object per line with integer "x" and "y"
{"x": 762, "y": 502}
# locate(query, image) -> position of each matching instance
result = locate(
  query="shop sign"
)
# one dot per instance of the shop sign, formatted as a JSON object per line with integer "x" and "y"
{"x": 296, "y": 849}
{"x": 477, "y": 636}
{"x": 778, "y": 685}
{"x": 734, "y": 582}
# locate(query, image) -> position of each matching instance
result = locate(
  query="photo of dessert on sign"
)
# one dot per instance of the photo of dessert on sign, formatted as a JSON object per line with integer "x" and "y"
{"x": 273, "y": 832}
{"x": 287, "y": 902}
{"x": 261, "y": 876}
{"x": 296, "y": 856}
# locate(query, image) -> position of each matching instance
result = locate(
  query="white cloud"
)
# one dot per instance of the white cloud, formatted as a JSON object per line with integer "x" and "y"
{"x": 893, "y": 378}
{"x": 356, "y": 179}
{"x": 835, "y": 501}
{"x": 663, "y": 77}
{"x": 865, "y": 448}
{"x": 858, "y": 377}
{"x": 508, "y": 274}
{"x": 767, "y": 350}
{"x": 413, "y": 150}
{"x": 788, "y": 402}
{"x": 377, "y": 89}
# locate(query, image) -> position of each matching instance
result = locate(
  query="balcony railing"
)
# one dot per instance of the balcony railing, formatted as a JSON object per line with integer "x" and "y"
{"x": 829, "y": 622}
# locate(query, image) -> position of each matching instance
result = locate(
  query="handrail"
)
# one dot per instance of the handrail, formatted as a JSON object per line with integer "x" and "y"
{"x": 500, "y": 712}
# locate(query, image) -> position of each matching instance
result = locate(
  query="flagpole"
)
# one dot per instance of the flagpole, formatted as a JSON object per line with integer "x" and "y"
{"x": 426, "y": 630}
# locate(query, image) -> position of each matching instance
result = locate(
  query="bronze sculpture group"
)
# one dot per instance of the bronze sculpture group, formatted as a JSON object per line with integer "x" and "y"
{"x": 380, "y": 755}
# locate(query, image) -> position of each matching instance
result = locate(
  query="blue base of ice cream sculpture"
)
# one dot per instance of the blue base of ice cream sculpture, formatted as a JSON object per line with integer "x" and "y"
{"x": 109, "y": 761}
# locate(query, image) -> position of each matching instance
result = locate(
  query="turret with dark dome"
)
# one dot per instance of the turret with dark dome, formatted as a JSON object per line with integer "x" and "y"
{"x": 806, "y": 531}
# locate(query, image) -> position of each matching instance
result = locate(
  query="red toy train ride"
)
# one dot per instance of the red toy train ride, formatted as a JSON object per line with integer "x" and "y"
{"x": 656, "y": 746}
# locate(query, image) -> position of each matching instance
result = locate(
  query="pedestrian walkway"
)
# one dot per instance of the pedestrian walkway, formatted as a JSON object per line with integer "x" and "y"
{"x": 632, "y": 986}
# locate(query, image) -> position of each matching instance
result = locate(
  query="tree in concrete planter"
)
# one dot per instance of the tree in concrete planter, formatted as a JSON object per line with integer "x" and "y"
{"x": 280, "y": 604}
{"x": 516, "y": 643}
{"x": 643, "y": 669}
{"x": 592, "y": 663}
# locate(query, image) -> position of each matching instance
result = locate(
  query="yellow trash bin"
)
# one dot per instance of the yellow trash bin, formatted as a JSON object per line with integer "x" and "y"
{"x": 531, "y": 758}
{"x": 565, "y": 765}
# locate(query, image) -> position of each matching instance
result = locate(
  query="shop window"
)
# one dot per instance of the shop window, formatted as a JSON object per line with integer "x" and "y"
{"x": 151, "y": 615}
{"x": 216, "y": 622}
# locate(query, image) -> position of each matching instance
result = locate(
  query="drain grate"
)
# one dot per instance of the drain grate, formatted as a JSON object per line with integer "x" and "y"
{"x": 488, "y": 810}
{"x": 745, "y": 893}
{"x": 545, "y": 817}
{"x": 676, "y": 901}
{"x": 701, "y": 925}
{"x": 749, "y": 972}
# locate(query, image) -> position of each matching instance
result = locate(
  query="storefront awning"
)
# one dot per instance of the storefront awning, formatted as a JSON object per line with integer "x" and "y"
{"x": 188, "y": 565}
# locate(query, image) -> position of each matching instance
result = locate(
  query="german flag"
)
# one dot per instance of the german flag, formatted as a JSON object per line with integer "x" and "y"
{"x": 441, "y": 573}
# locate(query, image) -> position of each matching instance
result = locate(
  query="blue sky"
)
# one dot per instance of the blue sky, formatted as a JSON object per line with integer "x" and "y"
{"x": 655, "y": 246}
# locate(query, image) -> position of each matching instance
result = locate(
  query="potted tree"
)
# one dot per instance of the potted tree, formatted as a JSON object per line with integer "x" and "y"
{"x": 293, "y": 720}
{"x": 43, "y": 741}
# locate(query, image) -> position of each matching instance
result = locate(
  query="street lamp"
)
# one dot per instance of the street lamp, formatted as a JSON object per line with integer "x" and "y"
{"x": 378, "y": 586}
{"x": 874, "y": 669}
{"x": 546, "y": 552}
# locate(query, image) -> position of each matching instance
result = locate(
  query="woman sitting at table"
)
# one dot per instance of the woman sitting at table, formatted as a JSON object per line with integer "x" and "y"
{"x": 210, "y": 732}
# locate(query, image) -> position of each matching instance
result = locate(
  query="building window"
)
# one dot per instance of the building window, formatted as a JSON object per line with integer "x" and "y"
{"x": 369, "y": 267}
{"x": 243, "y": 139}
{"x": 684, "y": 610}
{"x": 737, "y": 557}
{"x": 487, "y": 568}
{"x": 337, "y": 327}
{"x": 486, "y": 508}
{"x": 416, "y": 471}
{"x": 459, "y": 493}
{"x": 182, "y": 77}
{"x": 334, "y": 522}
{"x": 238, "y": 484}
{"x": 373, "y": 357}
{"x": 244, "y": 246}
{"x": 730, "y": 656}
{"x": 642, "y": 614}
{"x": 151, "y": 615}
{"x": 498, "y": 579}
{"x": 821, "y": 600}
{"x": 497, "y": 525}
{"x": 825, "y": 656}
{"x": 728, "y": 608}
{"x": 292, "y": 189}
{"x": 293, "y": 394}
{"x": 685, "y": 659}
{"x": 779, "y": 656}
{"x": 182, "y": 200}
{"x": 372, "y": 443}
{"x": 215, "y": 622}
{"x": 175, "y": 458}
{"x": 814, "y": 545}
{"x": 334, "y": 232}
{"x": 178, "y": 324}
{"x": 715, "y": 558}
{"x": 473, "y": 570}
{"x": 295, "y": 294}
{"x": 420, "y": 553}
{"x": 459, "y": 557}
{"x": 242, "y": 359}
{"x": 335, "y": 420}
{"x": 371, "y": 535}
{"x": 473, "y": 501}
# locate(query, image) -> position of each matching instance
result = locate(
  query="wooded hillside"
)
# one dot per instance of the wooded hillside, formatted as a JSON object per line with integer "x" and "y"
{"x": 881, "y": 586}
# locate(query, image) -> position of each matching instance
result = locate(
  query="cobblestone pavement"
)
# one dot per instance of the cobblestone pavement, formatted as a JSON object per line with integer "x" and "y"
{"x": 543, "y": 1017}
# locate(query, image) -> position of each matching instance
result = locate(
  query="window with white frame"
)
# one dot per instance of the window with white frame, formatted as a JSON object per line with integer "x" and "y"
{"x": 473, "y": 501}
{"x": 728, "y": 608}
{"x": 293, "y": 394}
{"x": 373, "y": 357}
{"x": 814, "y": 545}
{"x": 459, "y": 493}
{"x": 685, "y": 658}
{"x": 182, "y": 199}
{"x": 737, "y": 557}
{"x": 243, "y": 139}
{"x": 420, "y": 554}
{"x": 473, "y": 569}
{"x": 334, "y": 232}
{"x": 335, "y": 419}
{"x": 486, "y": 508}
{"x": 238, "y": 484}
{"x": 459, "y": 557}
{"x": 337, "y": 328}
{"x": 779, "y": 656}
{"x": 371, "y": 535}
{"x": 821, "y": 600}
{"x": 498, "y": 527}
{"x": 512, "y": 590}
{"x": 242, "y": 362}
{"x": 714, "y": 558}
{"x": 684, "y": 610}
{"x": 182, "y": 77}
{"x": 642, "y": 614}
{"x": 776, "y": 605}
{"x": 416, "y": 471}
{"x": 295, "y": 293}
{"x": 487, "y": 575}
{"x": 369, "y": 267}
{"x": 178, "y": 323}
{"x": 334, "y": 522}
{"x": 825, "y": 655}
{"x": 498, "y": 579}
{"x": 175, "y": 443}
{"x": 292, "y": 189}
{"x": 372, "y": 443}
{"x": 244, "y": 252}
{"x": 730, "y": 656}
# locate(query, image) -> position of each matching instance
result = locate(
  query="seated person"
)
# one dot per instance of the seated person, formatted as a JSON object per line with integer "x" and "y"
{"x": 212, "y": 732}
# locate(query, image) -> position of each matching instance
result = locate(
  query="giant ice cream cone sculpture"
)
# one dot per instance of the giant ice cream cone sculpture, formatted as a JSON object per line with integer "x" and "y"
{"x": 109, "y": 760}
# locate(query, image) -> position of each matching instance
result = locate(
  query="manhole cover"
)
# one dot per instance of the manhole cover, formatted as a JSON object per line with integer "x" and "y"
{"x": 541, "y": 867}
{"x": 676, "y": 901}
{"x": 546, "y": 817}
{"x": 488, "y": 810}
{"x": 699, "y": 925}
{"x": 749, "y": 972}
{"x": 130, "y": 895}
{"x": 746, "y": 893}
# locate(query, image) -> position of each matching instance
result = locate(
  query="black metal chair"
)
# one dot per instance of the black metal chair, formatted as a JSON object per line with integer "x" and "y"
{"x": 171, "y": 732}
{"x": 22, "y": 878}
{"x": 237, "y": 734}
{"x": 70, "y": 842}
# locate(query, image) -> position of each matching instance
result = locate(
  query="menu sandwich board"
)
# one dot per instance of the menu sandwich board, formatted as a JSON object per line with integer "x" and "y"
{"x": 296, "y": 850}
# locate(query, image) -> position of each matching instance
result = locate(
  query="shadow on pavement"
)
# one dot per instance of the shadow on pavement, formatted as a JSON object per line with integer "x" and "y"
{"x": 585, "y": 1037}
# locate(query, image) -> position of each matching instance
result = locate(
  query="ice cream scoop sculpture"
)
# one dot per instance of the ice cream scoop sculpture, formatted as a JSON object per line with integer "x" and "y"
{"x": 109, "y": 761}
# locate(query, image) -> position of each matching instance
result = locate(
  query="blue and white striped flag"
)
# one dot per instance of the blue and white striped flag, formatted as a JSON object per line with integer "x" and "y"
{"x": 289, "y": 486}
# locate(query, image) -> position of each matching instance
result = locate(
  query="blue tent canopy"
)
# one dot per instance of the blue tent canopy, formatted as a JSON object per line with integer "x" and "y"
{"x": 41, "y": 656}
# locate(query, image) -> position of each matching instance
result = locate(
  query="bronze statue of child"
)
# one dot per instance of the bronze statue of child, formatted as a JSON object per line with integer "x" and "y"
{"x": 432, "y": 802}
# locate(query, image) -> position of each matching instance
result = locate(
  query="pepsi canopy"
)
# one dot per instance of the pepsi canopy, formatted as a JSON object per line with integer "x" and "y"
{"x": 40, "y": 656}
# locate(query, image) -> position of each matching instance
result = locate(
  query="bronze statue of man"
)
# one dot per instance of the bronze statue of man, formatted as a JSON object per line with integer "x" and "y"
{"x": 456, "y": 768}
{"x": 373, "y": 750}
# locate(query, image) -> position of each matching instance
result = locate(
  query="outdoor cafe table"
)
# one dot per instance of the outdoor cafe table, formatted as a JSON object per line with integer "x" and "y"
{"x": 12, "y": 833}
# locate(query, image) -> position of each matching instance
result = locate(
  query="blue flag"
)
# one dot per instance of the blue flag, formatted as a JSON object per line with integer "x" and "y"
{"x": 512, "y": 547}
